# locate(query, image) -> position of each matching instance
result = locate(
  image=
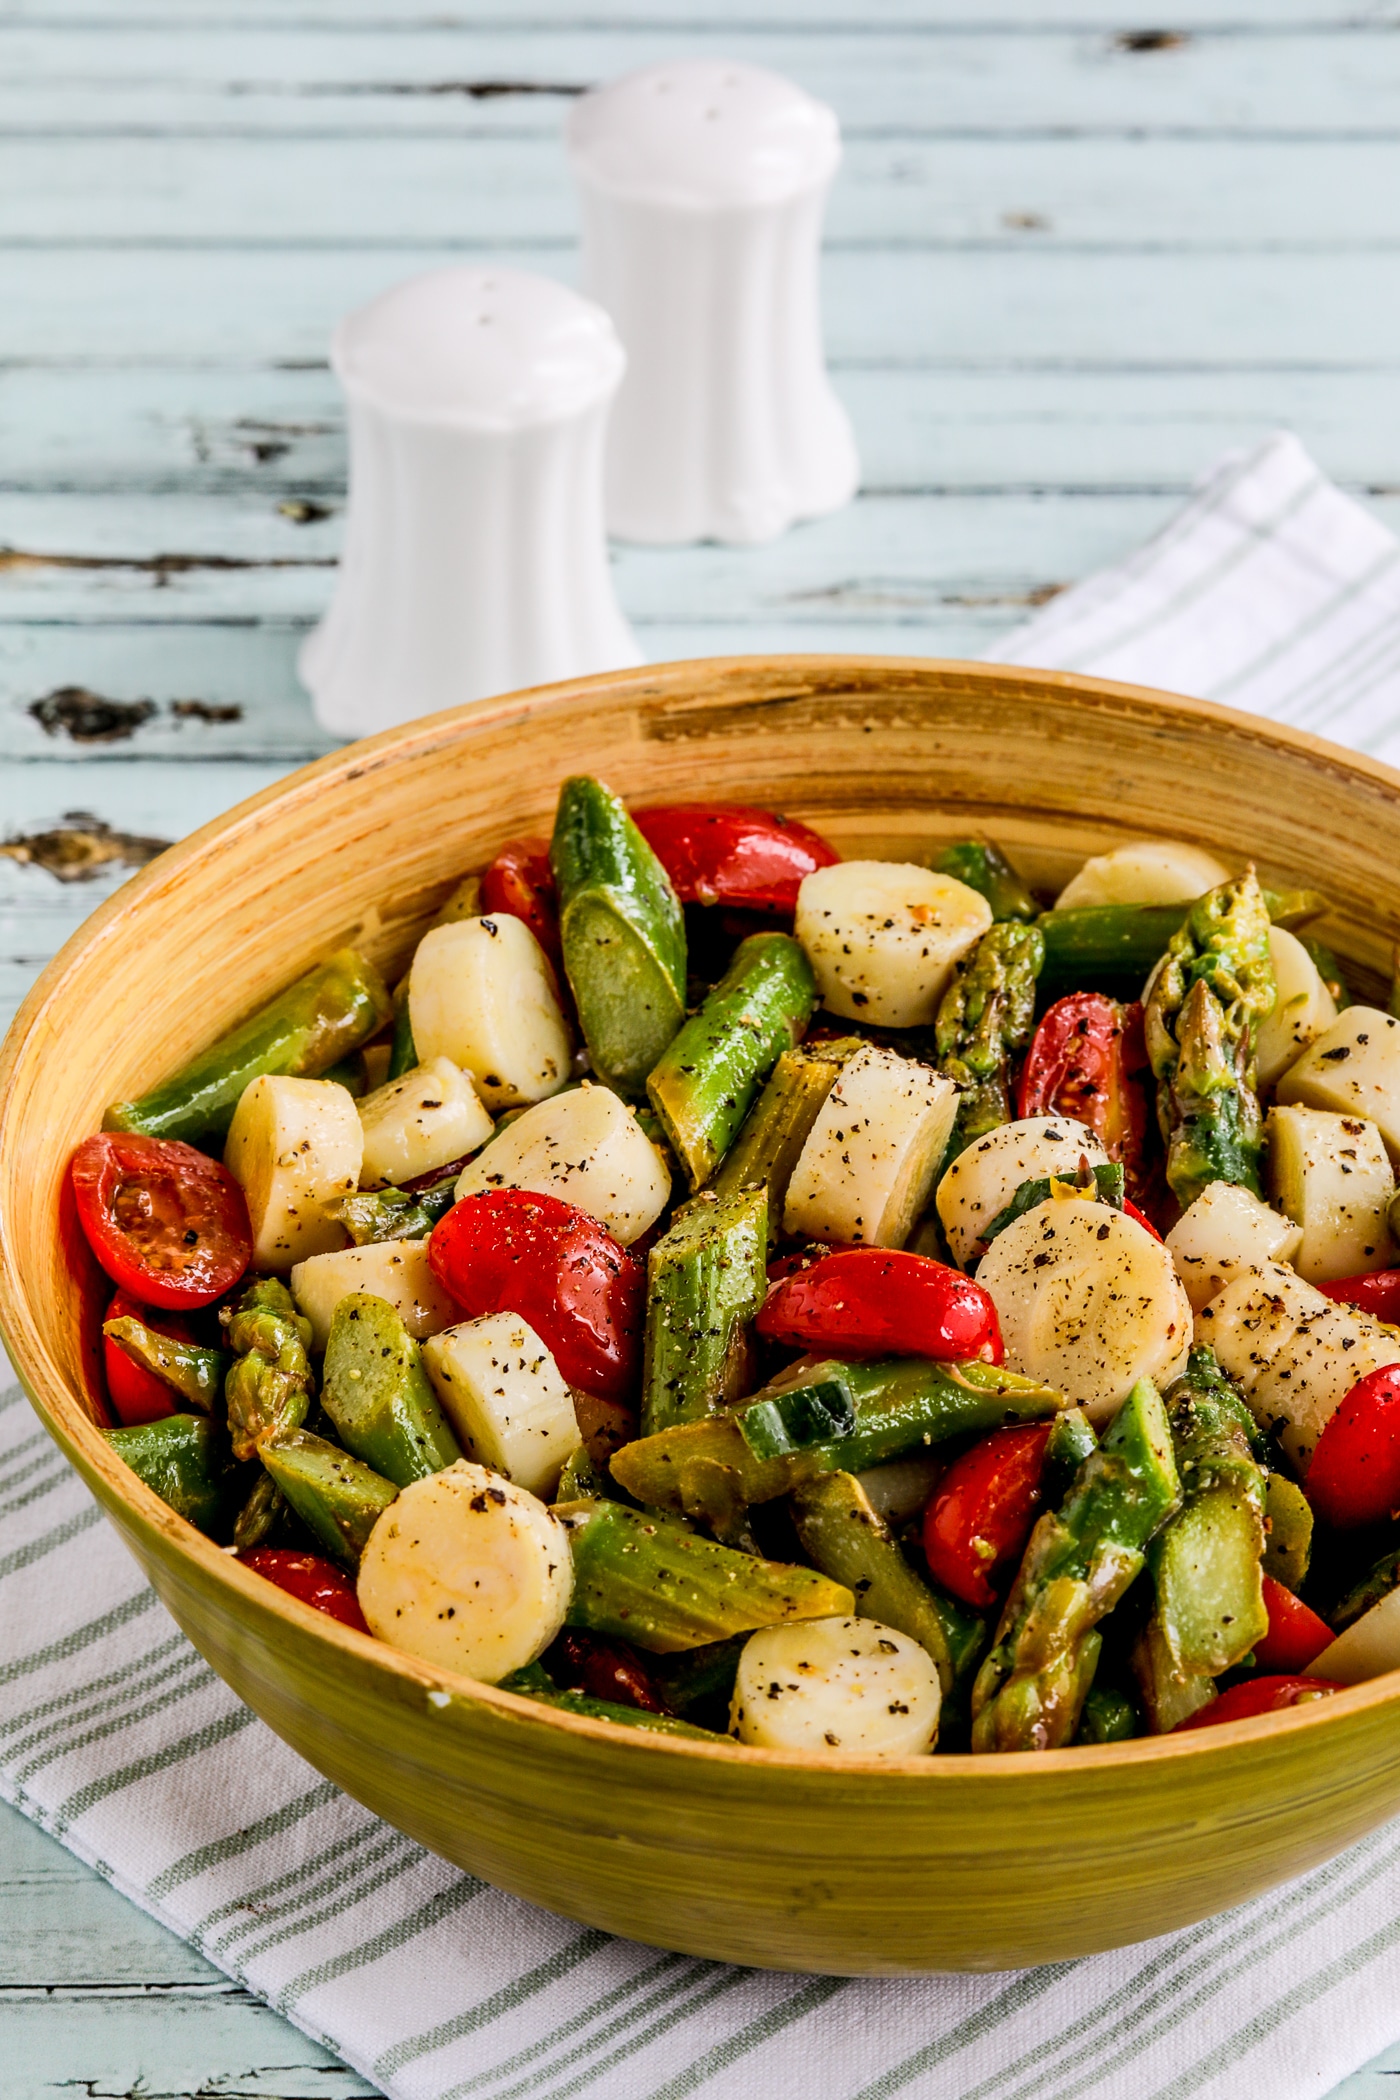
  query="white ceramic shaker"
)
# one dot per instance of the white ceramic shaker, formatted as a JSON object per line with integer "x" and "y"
{"x": 475, "y": 556}
{"x": 703, "y": 186}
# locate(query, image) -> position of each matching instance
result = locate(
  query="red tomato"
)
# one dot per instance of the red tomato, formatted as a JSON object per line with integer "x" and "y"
{"x": 872, "y": 1301}
{"x": 586, "y": 1662}
{"x": 1082, "y": 1063}
{"x": 319, "y": 1583}
{"x": 1260, "y": 1695}
{"x": 520, "y": 882}
{"x": 981, "y": 1514}
{"x": 136, "y": 1394}
{"x": 167, "y": 1223}
{"x": 1354, "y": 1478}
{"x": 1131, "y": 1210}
{"x": 510, "y": 1250}
{"x": 1296, "y": 1635}
{"x": 724, "y": 853}
{"x": 1377, "y": 1294}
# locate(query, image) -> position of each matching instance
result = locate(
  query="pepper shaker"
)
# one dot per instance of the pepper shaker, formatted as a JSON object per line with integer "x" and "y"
{"x": 703, "y": 186}
{"x": 475, "y": 556}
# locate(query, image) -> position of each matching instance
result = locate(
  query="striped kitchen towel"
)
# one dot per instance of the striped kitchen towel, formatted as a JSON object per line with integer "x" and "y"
{"x": 1271, "y": 591}
{"x": 115, "y": 1736}
{"x": 1274, "y": 591}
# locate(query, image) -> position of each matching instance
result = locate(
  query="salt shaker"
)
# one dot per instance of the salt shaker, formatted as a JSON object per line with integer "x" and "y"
{"x": 475, "y": 556}
{"x": 703, "y": 186}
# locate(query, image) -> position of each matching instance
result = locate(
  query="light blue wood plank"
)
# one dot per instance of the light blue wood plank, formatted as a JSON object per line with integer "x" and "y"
{"x": 978, "y": 308}
{"x": 271, "y": 436}
{"x": 97, "y": 1999}
{"x": 461, "y": 191}
{"x": 355, "y": 79}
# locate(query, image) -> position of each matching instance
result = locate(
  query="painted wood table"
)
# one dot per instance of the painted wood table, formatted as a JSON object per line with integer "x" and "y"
{"x": 1072, "y": 256}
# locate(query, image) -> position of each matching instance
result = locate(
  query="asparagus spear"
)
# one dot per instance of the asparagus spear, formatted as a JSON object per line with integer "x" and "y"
{"x": 1202, "y": 1009}
{"x": 403, "y": 1051}
{"x": 309, "y": 1027}
{"x": 706, "y": 1280}
{"x": 780, "y": 1122}
{"x": 270, "y": 1386}
{"x": 985, "y": 1018}
{"x": 1206, "y": 1561}
{"x": 1108, "y": 1717}
{"x": 1376, "y": 1583}
{"x": 336, "y": 1496}
{"x": 195, "y": 1374}
{"x": 378, "y": 1396}
{"x": 259, "y": 1515}
{"x": 985, "y": 868}
{"x": 842, "y": 1535}
{"x": 1081, "y": 1558}
{"x": 706, "y": 1079}
{"x": 624, "y": 1716}
{"x": 396, "y": 1214}
{"x": 1288, "y": 1527}
{"x": 711, "y": 1469}
{"x": 653, "y": 1581}
{"x": 622, "y": 931}
{"x": 185, "y": 1460}
{"x": 1112, "y": 947}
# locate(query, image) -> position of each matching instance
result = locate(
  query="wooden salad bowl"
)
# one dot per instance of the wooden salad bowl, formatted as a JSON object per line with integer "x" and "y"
{"x": 838, "y": 1865}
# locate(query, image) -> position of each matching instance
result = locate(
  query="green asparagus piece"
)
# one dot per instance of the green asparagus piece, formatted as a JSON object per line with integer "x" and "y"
{"x": 706, "y": 1280}
{"x": 195, "y": 1374}
{"x": 986, "y": 869}
{"x": 780, "y": 1122}
{"x": 403, "y": 1051}
{"x": 1288, "y": 1529}
{"x": 581, "y": 1480}
{"x": 1080, "y": 1560}
{"x": 710, "y": 1471}
{"x": 1070, "y": 1442}
{"x": 1107, "y": 1182}
{"x": 260, "y": 1514}
{"x": 396, "y": 1214}
{"x": 1202, "y": 1012}
{"x": 1112, "y": 947}
{"x": 842, "y": 1535}
{"x": 985, "y": 1019}
{"x": 270, "y": 1386}
{"x": 185, "y": 1460}
{"x": 623, "y": 934}
{"x": 336, "y": 1496}
{"x": 378, "y": 1396}
{"x": 651, "y": 1580}
{"x": 1329, "y": 969}
{"x": 463, "y": 902}
{"x": 1206, "y": 1561}
{"x": 314, "y": 1023}
{"x": 707, "y": 1078}
{"x": 1376, "y": 1583}
{"x": 1108, "y": 1717}
{"x": 623, "y": 1716}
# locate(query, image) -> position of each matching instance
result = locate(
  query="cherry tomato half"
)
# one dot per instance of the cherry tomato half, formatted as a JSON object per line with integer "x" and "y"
{"x": 725, "y": 853}
{"x": 874, "y": 1301}
{"x": 586, "y": 1662}
{"x": 1377, "y": 1294}
{"x": 136, "y": 1394}
{"x": 1296, "y": 1635}
{"x": 1260, "y": 1695}
{"x": 1083, "y": 1062}
{"x": 167, "y": 1223}
{"x": 509, "y": 1250}
{"x": 982, "y": 1512}
{"x": 520, "y": 882}
{"x": 1354, "y": 1477}
{"x": 317, "y": 1582}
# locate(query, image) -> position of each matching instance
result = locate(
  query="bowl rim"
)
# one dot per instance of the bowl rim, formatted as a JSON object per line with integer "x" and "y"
{"x": 83, "y": 1443}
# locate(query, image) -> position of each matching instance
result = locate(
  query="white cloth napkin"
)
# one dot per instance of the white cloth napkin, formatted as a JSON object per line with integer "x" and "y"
{"x": 1270, "y": 591}
{"x": 1273, "y": 590}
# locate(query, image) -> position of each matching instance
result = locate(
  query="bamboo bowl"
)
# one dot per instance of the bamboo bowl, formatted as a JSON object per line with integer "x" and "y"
{"x": 754, "y": 1856}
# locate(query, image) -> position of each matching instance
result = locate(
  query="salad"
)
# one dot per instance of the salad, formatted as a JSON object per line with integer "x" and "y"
{"x": 839, "y": 1305}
